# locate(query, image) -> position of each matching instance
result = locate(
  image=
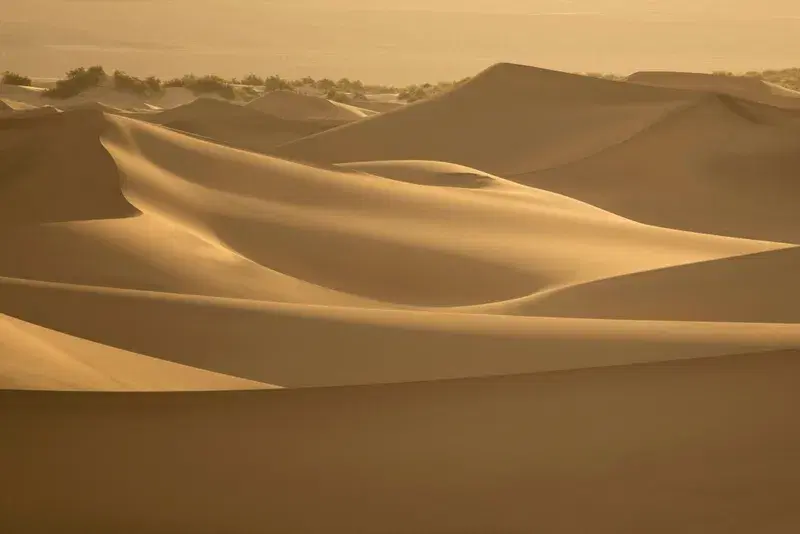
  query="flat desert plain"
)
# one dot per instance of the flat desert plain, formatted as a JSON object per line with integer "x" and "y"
{"x": 539, "y": 302}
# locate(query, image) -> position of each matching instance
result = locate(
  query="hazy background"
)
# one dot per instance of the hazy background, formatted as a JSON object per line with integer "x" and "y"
{"x": 395, "y": 41}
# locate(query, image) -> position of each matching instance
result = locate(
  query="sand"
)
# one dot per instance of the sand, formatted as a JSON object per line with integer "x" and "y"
{"x": 540, "y": 302}
{"x": 291, "y": 105}
{"x": 741, "y": 86}
{"x": 236, "y": 125}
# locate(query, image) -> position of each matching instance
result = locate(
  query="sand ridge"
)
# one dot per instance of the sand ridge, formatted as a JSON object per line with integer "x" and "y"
{"x": 538, "y": 302}
{"x": 291, "y": 105}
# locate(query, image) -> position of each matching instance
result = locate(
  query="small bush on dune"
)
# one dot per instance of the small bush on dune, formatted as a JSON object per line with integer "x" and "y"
{"x": 131, "y": 84}
{"x": 174, "y": 82}
{"x": 336, "y": 96}
{"x": 252, "y": 79}
{"x": 210, "y": 84}
{"x": 13, "y": 78}
{"x": 412, "y": 93}
{"x": 77, "y": 81}
{"x": 276, "y": 83}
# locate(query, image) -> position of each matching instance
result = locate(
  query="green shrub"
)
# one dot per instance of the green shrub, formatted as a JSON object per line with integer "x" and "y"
{"x": 13, "y": 78}
{"x": 276, "y": 83}
{"x": 209, "y": 84}
{"x": 336, "y": 96}
{"x": 77, "y": 81}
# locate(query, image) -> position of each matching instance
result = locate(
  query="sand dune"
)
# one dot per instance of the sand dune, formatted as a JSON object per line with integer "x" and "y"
{"x": 294, "y": 345}
{"x": 740, "y": 86}
{"x": 611, "y": 144}
{"x": 722, "y": 165}
{"x": 236, "y": 125}
{"x": 291, "y": 105}
{"x": 508, "y": 119}
{"x": 55, "y": 169}
{"x": 752, "y": 288}
{"x": 704, "y": 445}
{"x": 540, "y": 302}
{"x": 32, "y": 357}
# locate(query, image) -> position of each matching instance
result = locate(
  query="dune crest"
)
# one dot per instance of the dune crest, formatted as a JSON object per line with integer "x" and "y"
{"x": 291, "y": 105}
{"x": 537, "y": 302}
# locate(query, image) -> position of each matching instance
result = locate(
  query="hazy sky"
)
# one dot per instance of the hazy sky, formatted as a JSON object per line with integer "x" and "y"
{"x": 397, "y": 41}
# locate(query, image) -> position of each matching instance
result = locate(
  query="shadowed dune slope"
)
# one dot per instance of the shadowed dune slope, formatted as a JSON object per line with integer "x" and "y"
{"x": 386, "y": 240}
{"x": 236, "y": 125}
{"x": 53, "y": 168}
{"x": 722, "y": 166}
{"x": 32, "y": 357}
{"x": 745, "y": 87}
{"x": 759, "y": 287}
{"x": 509, "y": 119}
{"x": 291, "y": 105}
{"x": 295, "y": 345}
{"x": 705, "y": 445}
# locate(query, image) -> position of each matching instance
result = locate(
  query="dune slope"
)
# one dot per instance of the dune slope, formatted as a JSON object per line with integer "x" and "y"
{"x": 32, "y": 357}
{"x": 236, "y": 125}
{"x": 508, "y": 119}
{"x": 745, "y": 87}
{"x": 723, "y": 165}
{"x": 679, "y": 446}
{"x": 291, "y": 105}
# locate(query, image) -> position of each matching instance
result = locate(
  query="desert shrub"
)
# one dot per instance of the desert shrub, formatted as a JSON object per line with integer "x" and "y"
{"x": 174, "y": 82}
{"x": 325, "y": 84}
{"x": 381, "y": 89}
{"x": 252, "y": 79}
{"x": 129, "y": 84}
{"x": 209, "y": 84}
{"x": 276, "y": 83}
{"x": 350, "y": 86}
{"x": 77, "y": 81}
{"x": 13, "y": 78}
{"x": 412, "y": 93}
{"x": 337, "y": 96}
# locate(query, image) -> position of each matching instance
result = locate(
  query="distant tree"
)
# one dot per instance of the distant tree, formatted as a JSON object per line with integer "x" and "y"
{"x": 13, "y": 78}
{"x": 77, "y": 81}
{"x": 276, "y": 83}
{"x": 412, "y": 93}
{"x": 153, "y": 84}
{"x": 337, "y": 96}
{"x": 210, "y": 84}
{"x": 130, "y": 84}
{"x": 325, "y": 84}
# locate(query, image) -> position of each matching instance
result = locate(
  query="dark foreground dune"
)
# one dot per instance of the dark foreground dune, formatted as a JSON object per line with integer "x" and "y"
{"x": 707, "y": 445}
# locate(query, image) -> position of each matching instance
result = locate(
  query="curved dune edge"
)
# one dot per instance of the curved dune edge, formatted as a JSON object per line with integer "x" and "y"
{"x": 677, "y": 158}
{"x": 680, "y": 443}
{"x": 748, "y": 288}
{"x": 32, "y": 357}
{"x": 295, "y": 345}
{"x": 291, "y": 105}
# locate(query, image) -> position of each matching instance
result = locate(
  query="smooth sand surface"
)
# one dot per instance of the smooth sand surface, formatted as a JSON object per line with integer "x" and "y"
{"x": 236, "y": 125}
{"x": 742, "y": 86}
{"x": 541, "y": 302}
{"x": 291, "y": 105}
{"x": 706, "y": 445}
{"x": 692, "y": 160}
